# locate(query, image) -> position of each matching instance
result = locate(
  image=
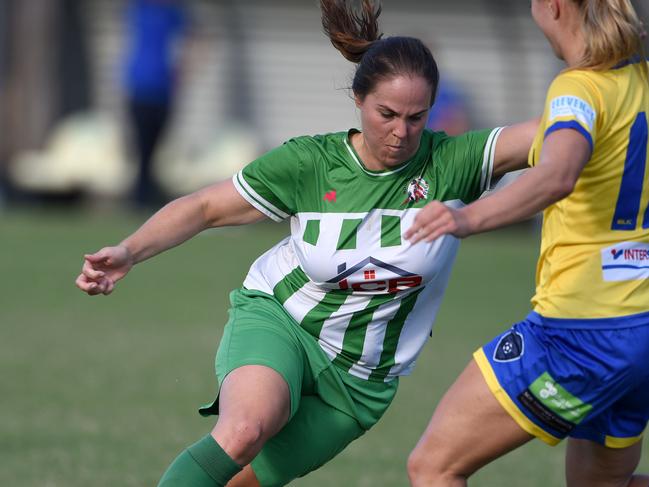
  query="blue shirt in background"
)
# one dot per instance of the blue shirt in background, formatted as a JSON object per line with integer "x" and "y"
{"x": 154, "y": 26}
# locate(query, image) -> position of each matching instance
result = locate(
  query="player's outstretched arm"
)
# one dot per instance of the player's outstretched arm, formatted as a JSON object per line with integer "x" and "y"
{"x": 513, "y": 147}
{"x": 563, "y": 157}
{"x": 215, "y": 206}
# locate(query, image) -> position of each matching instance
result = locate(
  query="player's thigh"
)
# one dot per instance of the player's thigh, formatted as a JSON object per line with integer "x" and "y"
{"x": 258, "y": 333}
{"x": 605, "y": 450}
{"x": 314, "y": 435}
{"x": 589, "y": 464}
{"x": 468, "y": 429}
{"x": 253, "y": 394}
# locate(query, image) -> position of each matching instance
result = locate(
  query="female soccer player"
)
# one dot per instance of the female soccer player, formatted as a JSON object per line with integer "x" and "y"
{"x": 329, "y": 318}
{"x": 577, "y": 366}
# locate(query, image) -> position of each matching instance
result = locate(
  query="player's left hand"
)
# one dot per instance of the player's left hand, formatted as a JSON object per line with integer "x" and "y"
{"x": 101, "y": 270}
{"x": 435, "y": 220}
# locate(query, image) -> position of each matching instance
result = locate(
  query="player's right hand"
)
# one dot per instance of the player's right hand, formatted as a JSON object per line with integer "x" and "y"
{"x": 435, "y": 220}
{"x": 101, "y": 270}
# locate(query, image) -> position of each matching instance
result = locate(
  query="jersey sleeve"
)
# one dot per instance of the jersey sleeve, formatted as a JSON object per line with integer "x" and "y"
{"x": 469, "y": 161}
{"x": 270, "y": 182}
{"x": 571, "y": 103}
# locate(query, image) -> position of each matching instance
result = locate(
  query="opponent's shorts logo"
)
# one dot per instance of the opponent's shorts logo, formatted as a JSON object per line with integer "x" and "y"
{"x": 553, "y": 405}
{"x": 510, "y": 347}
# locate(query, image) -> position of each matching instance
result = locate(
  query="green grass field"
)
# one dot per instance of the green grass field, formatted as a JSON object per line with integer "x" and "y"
{"x": 103, "y": 391}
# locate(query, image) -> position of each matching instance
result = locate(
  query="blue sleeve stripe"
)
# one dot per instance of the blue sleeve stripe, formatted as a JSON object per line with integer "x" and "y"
{"x": 570, "y": 124}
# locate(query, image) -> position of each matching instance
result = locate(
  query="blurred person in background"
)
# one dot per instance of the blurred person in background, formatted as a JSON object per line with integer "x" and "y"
{"x": 329, "y": 319}
{"x": 577, "y": 366}
{"x": 450, "y": 113}
{"x": 156, "y": 29}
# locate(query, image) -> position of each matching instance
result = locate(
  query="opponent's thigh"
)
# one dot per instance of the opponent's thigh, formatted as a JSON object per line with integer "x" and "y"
{"x": 589, "y": 464}
{"x": 468, "y": 429}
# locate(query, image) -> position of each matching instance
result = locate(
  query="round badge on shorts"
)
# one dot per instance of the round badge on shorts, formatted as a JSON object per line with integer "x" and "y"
{"x": 510, "y": 347}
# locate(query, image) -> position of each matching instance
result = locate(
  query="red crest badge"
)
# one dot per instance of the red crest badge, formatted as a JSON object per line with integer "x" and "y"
{"x": 417, "y": 190}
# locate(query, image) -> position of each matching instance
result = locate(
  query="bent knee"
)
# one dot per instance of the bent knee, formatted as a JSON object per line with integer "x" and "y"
{"x": 242, "y": 438}
{"x": 248, "y": 431}
{"x": 433, "y": 465}
{"x": 427, "y": 467}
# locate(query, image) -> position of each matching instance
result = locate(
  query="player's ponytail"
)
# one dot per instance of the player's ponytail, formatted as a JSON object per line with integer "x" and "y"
{"x": 355, "y": 33}
{"x": 613, "y": 33}
{"x": 351, "y": 31}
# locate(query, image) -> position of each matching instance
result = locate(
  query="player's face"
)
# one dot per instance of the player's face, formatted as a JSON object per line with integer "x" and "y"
{"x": 393, "y": 117}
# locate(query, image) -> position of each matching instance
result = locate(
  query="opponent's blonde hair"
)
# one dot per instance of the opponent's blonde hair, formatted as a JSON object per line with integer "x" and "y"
{"x": 613, "y": 33}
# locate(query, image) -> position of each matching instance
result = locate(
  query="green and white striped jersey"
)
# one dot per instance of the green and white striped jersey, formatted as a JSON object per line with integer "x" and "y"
{"x": 345, "y": 273}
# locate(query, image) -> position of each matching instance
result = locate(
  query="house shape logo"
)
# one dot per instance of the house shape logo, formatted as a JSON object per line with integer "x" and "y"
{"x": 397, "y": 280}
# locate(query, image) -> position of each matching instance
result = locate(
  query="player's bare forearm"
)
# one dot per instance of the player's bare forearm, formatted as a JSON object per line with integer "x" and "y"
{"x": 215, "y": 206}
{"x": 529, "y": 194}
{"x": 532, "y": 192}
{"x": 513, "y": 146}
{"x": 173, "y": 224}
{"x": 561, "y": 163}
{"x": 564, "y": 155}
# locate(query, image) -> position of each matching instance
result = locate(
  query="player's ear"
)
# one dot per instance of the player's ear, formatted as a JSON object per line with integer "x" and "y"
{"x": 358, "y": 101}
{"x": 556, "y": 7}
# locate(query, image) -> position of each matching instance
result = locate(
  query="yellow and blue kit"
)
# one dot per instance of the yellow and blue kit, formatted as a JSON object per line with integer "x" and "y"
{"x": 577, "y": 365}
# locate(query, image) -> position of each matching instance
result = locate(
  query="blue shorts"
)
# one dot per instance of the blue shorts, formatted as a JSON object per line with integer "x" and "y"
{"x": 585, "y": 379}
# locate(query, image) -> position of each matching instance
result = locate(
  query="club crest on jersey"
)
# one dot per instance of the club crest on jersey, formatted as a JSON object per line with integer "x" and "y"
{"x": 417, "y": 190}
{"x": 510, "y": 347}
{"x": 374, "y": 276}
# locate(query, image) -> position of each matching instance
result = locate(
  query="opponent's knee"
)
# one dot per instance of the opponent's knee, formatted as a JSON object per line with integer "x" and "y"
{"x": 427, "y": 468}
{"x": 420, "y": 467}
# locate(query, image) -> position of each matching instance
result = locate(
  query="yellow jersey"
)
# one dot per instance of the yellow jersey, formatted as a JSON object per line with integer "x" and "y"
{"x": 594, "y": 259}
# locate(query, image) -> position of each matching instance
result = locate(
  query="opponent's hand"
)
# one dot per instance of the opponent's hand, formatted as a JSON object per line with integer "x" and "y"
{"x": 101, "y": 270}
{"x": 436, "y": 219}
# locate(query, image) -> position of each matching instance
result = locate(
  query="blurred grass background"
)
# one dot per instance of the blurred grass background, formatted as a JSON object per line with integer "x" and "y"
{"x": 103, "y": 391}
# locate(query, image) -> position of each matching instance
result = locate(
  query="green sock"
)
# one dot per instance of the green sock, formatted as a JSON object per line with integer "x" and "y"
{"x": 204, "y": 464}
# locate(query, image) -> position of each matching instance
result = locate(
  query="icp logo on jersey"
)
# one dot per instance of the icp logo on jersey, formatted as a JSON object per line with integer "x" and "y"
{"x": 372, "y": 275}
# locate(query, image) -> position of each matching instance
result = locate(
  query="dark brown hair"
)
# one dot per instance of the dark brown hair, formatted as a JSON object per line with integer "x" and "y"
{"x": 354, "y": 31}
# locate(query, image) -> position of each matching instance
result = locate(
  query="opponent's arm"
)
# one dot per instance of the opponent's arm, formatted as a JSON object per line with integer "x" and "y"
{"x": 513, "y": 146}
{"x": 563, "y": 157}
{"x": 215, "y": 206}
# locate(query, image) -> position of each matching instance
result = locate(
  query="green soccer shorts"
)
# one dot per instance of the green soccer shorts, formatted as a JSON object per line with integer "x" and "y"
{"x": 329, "y": 407}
